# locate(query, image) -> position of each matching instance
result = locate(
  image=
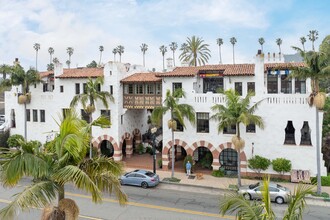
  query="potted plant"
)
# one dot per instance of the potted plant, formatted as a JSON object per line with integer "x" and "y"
{"x": 140, "y": 148}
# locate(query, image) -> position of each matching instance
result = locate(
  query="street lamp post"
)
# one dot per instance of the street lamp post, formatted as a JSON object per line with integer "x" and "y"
{"x": 153, "y": 132}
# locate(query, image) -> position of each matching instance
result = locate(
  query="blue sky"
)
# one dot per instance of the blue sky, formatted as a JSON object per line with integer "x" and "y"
{"x": 87, "y": 24}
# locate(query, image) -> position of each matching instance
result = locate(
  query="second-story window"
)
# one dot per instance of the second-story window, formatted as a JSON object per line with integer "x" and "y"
{"x": 158, "y": 88}
{"x": 238, "y": 87}
{"x": 202, "y": 122}
{"x": 77, "y": 88}
{"x": 130, "y": 89}
{"x": 179, "y": 126}
{"x": 289, "y": 134}
{"x": 272, "y": 84}
{"x": 61, "y": 89}
{"x": 251, "y": 87}
{"x": 286, "y": 84}
{"x": 28, "y": 115}
{"x": 177, "y": 86}
{"x": 230, "y": 130}
{"x": 85, "y": 88}
{"x": 139, "y": 89}
{"x": 35, "y": 115}
{"x": 99, "y": 87}
{"x": 42, "y": 115}
{"x": 45, "y": 87}
{"x": 106, "y": 113}
{"x": 251, "y": 128}
{"x": 150, "y": 89}
{"x": 84, "y": 116}
{"x": 111, "y": 90}
{"x": 300, "y": 86}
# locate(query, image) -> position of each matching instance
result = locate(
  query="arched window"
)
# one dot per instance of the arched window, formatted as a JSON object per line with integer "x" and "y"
{"x": 289, "y": 134}
{"x": 305, "y": 134}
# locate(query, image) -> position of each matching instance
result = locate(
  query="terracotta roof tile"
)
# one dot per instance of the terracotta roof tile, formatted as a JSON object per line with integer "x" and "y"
{"x": 81, "y": 73}
{"x": 142, "y": 77}
{"x": 46, "y": 74}
{"x": 227, "y": 69}
{"x": 283, "y": 66}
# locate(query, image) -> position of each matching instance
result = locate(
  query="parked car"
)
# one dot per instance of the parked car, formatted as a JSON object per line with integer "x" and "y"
{"x": 278, "y": 193}
{"x": 141, "y": 178}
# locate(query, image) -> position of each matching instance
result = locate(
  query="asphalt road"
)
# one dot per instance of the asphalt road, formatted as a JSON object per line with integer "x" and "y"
{"x": 153, "y": 204}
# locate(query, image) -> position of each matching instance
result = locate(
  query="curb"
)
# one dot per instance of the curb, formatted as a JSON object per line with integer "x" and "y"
{"x": 223, "y": 191}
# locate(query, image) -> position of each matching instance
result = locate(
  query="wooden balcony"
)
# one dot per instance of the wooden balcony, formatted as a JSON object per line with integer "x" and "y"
{"x": 133, "y": 101}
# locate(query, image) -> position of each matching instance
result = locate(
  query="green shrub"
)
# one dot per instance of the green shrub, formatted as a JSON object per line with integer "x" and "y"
{"x": 4, "y": 138}
{"x": 160, "y": 163}
{"x": 13, "y": 140}
{"x": 218, "y": 173}
{"x": 149, "y": 150}
{"x": 258, "y": 163}
{"x": 186, "y": 159}
{"x": 281, "y": 165}
{"x": 140, "y": 148}
{"x": 206, "y": 161}
{"x": 325, "y": 180}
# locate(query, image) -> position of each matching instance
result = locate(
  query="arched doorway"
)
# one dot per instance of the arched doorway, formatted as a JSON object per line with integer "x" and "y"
{"x": 228, "y": 160}
{"x": 106, "y": 148}
{"x": 203, "y": 158}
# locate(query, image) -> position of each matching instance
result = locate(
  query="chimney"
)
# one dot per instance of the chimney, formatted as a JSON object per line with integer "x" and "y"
{"x": 169, "y": 63}
{"x": 273, "y": 56}
{"x": 16, "y": 62}
{"x": 268, "y": 56}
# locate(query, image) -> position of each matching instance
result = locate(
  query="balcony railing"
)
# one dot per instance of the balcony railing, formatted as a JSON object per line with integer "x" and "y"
{"x": 132, "y": 101}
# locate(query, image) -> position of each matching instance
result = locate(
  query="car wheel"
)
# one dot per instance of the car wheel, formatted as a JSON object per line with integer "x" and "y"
{"x": 247, "y": 196}
{"x": 279, "y": 200}
{"x": 144, "y": 185}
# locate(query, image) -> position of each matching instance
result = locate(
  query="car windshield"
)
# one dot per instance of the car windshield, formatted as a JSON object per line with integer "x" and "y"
{"x": 150, "y": 174}
{"x": 127, "y": 173}
{"x": 252, "y": 186}
{"x": 280, "y": 187}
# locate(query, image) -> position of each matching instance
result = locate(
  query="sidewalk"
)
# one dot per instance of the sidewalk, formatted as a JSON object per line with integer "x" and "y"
{"x": 222, "y": 184}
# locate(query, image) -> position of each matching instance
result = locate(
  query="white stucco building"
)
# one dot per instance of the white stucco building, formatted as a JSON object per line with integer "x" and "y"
{"x": 290, "y": 123}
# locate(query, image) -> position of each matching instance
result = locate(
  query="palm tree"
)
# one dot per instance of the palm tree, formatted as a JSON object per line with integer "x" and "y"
{"x": 36, "y": 46}
{"x": 144, "y": 48}
{"x": 69, "y": 50}
{"x": 195, "y": 51}
{"x": 220, "y": 42}
{"x": 56, "y": 60}
{"x": 120, "y": 51}
{"x": 61, "y": 162}
{"x": 255, "y": 210}
{"x": 313, "y": 36}
{"x": 114, "y": 51}
{"x": 237, "y": 111}
{"x": 173, "y": 47}
{"x": 4, "y": 70}
{"x": 261, "y": 42}
{"x": 90, "y": 96}
{"x": 233, "y": 42}
{"x": 316, "y": 68}
{"x": 303, "y": 41}
{"x": 51, "y": 52}
{"x": 279, "y": 42}
{"x": 184, "y": 47}
{"x": 177, "y": 111}
{"x": 101, "y": 48}
{"x": 20, "y": 77}
{"x": 163, "y": 50}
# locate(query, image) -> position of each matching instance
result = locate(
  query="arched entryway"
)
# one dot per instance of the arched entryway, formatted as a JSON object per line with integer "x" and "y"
{"x": 106, "y": 148}
{"x": 97, "y": 144}
{"x": 228, "y": 159}
{"x": 203, "y": 158}
{"x": 181, "y": 149}
{"x": 226, "y": 149}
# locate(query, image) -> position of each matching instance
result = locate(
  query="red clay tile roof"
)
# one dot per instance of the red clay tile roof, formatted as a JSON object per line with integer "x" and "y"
{"x": 227, "y": 69}
{"x": 46, "y": 74}
{"x": 283, "y": 66}
{"x": 142, "y": 77}
{"x": 81, "y": 73}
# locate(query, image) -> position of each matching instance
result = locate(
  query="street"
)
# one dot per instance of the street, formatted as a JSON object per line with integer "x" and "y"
{"x": 152, "y": 204}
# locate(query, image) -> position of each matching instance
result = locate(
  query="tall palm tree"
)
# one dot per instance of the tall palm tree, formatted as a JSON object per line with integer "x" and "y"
{"x": 4, "y": 70}
{"x": 313, "y": 36}
{"x": 61, "y": 162}
{"x": 163, "y": 50}
{"x": 261, "y": 42}
{"x": 233, "y": 42}
{"x": 69, "y": 50}
{"x": 144, "y": 48}
{"x": 120, "y": 51}
{"x": 90, "y": 96}
{"x": 261, "y": 210}
{"x": 173, "y": 47}
{"x": 36, "y": 46}
{"x": 51, "y": 52}
{"x": 56, "y": 60}
{"x": 101, "y": 48}
{"x": 237, "y": 111}
{"x": 20, "y": 77}
{"x": 114, "y": 51}
{"x": 303, "y": 41}
{"x": 177, "y": 111}
{"x": 68, "y": 62}
{"x": 184, "y": 47}
{"x": 279, "y": 42}
{"x": 195, "y": 51}
{"x": 220, "y": 42}
{"x": 316, "y": 68}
